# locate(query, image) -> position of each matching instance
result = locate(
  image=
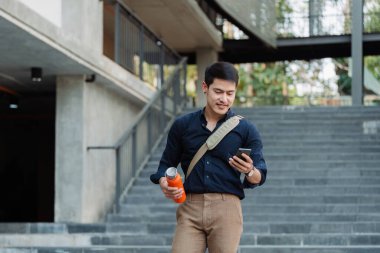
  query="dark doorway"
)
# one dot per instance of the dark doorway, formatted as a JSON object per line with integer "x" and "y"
{"x": 27, "y": 148}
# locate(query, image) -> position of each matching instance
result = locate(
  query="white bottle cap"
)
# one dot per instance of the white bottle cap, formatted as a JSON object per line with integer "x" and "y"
{"x": 171, "y": 172}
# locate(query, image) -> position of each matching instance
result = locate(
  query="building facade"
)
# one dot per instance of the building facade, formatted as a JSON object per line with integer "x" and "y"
{"x": 75, "y": 74}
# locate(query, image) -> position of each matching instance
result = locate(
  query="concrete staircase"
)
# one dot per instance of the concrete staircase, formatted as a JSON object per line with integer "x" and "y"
{"x": 322, "y": 194}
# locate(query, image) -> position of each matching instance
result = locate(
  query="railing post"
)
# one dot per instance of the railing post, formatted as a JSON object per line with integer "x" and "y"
{"x": 141, "y": 53}
{"x": 184, "y": 83}
{"x": 134, "y": 150}
{"x": 149, "y": 128}
{"x": 117, "y": 33}
{"x": 315, "y": 25}
{"x": 357, "y": 53}
{"x": 163, "y": 108}
{"x": 126, "y": 45}
{"x": 162, "y": 63}
{"x": 176, "y": 87}
{"x": 118, "y": 183}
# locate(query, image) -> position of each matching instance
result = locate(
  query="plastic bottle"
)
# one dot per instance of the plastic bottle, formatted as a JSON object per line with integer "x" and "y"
{"x": 175, "y": 180}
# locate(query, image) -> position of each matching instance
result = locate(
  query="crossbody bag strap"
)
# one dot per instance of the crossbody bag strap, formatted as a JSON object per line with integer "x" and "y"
{"x": 214, "y": 140}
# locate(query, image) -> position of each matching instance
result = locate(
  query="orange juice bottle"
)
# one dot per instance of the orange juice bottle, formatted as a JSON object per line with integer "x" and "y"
{"x": 175, "y": 180}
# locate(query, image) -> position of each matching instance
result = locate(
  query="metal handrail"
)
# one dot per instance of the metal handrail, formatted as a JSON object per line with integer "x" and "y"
{"x": 131, "y": 146}
{"x": 297, "y": 24}
{"x": 305, "y": 100}
{"x": 148, "y": 106}
{"x": 138, "y": 49}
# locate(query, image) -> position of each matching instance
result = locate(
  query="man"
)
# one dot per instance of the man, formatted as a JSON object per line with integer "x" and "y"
{"x": 211, "y": 217}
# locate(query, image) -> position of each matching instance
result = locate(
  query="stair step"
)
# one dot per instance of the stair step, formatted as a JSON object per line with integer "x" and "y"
{"x": 304, "y": 217}
{"x": 322, "y": 150}
{"x": 168, "y": 207}
{"x": 305, "y": 165}
{"x": 288, "y": 173}
{"x": 255, "y": 227}
{"x": 286, "y": 190}
{"x": 51, "y": 228}
{"x": 275, "y": 199}
{"x": 167, "y": 249}
{"x": 307, "y": 156}
{"x": 46, "y": 240}
{"x": 250, "y": 239}
{"x": 147, "y": 227}
{"x": 300, "y": 150}
{"x": 289, "y": 181}
{"x": 309, "y": 239}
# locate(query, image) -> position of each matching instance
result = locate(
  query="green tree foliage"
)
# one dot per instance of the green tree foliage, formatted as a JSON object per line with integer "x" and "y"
{"x": 373, "y": 65}
{"x": 372, "y": 25}
{"x": 344, "y": 80}
{"x": 283, "y": 10}
{"x": 266, "y": 82}
{"x": 371, "y": 16}
{"x": 272, "y": 83}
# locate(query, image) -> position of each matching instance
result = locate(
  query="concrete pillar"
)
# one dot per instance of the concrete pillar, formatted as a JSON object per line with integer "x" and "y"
{"x": 205, "y": 57}
{"x": 357, "y": 52}
{"x": 70, "y": 148}
{"x": 87, "y": 115}
{"x": 315, "y": 22}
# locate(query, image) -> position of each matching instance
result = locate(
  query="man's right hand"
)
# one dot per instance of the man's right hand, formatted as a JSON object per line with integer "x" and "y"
{"x": 170, "y": 192}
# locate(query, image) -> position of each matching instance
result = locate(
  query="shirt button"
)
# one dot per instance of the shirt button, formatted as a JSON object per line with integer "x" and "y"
{"x": 207, "y": 162}
{"x": 207, "y": 176}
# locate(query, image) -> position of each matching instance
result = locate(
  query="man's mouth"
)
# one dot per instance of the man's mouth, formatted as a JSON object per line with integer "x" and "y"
{"x": 221, "y": 105}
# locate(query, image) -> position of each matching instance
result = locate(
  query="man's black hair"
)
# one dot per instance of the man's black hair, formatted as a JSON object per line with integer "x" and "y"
{"x": 221, "y": 70}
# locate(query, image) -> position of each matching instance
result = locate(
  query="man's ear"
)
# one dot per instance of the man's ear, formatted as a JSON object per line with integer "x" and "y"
{"x": 204, "y": 87}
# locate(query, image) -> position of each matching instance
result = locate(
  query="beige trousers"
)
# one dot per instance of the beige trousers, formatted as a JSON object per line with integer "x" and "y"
{"x": 210, "y": 220}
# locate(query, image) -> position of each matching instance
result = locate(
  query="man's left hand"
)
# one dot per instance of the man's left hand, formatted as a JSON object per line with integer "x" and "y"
{"x": 243, "y": 166}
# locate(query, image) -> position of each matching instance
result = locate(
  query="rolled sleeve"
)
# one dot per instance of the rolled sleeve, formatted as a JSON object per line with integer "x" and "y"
{"x": 253, "y": 141}
{"x": 172, "y": 153}
{"x": 247, "y": 184}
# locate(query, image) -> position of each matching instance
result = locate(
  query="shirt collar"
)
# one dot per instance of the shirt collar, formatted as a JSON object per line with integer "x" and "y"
{"x": 228, "y": 115}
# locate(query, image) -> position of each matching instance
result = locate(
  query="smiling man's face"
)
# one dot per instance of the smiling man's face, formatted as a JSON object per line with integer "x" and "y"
{"x": 220, "y": 95}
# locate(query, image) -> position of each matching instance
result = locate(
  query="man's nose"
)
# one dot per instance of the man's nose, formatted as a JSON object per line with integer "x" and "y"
{"x": 223, "y": 97}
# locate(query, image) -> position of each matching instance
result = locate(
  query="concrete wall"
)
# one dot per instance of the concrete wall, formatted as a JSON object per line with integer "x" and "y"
{"x": 80, "y": 27}
{"x": 88, "y": 114}
{"x": 84, "y": 22}
{"x": 107, "y": 116}
{"x": 79, "y": 38}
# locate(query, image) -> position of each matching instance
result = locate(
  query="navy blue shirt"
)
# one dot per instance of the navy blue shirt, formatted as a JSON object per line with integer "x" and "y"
{"x": 212, "y": 173}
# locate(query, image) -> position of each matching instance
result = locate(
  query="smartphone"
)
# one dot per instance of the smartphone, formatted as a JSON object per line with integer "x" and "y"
{"x": 240, "y": 151}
